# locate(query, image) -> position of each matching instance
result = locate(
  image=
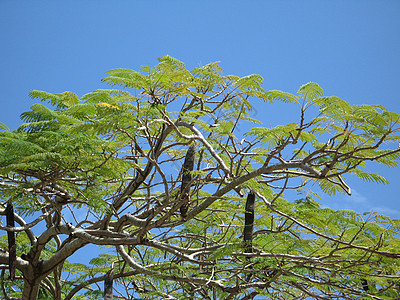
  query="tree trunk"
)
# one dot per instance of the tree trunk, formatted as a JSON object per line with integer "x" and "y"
{"x": 32, "y": 280}
{"x": 108, "y": 285}
{"x": 57, "y": 281}
{"x": 31, "y": 289}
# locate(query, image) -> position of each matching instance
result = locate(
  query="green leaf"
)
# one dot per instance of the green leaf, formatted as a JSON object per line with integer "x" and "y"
{"x": 370, "y": 177}
{"x": 334, "y": 106}
{"x": 282, "y": 96}
{"x": 127, "y": 78}
{"x": 275, "y": 135}
{"x": 63, "y": 100}
{"x": 224, "y": 251}
{"x": 310, "y": 91}
{"x": 3, "y": 127}
{"x": 169, "y": 60}
{"x": 251, "y": 82}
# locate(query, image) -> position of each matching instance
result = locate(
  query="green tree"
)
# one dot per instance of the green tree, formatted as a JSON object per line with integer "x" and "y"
{"x": 182, "y": 204}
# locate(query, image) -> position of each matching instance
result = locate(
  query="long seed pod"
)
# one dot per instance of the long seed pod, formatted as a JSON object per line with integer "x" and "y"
{"x": 186, "y": 180}
{"x": 108, "y": 285}
{"x": 12, "y": 248}
{"x": 249, "y": 223}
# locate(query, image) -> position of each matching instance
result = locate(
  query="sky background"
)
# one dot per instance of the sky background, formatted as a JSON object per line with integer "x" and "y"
{"x": 351, "y": 48}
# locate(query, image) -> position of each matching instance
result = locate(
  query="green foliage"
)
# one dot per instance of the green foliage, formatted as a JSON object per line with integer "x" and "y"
{"x": 109, "y": 165}
{"x": 60, "y": 101}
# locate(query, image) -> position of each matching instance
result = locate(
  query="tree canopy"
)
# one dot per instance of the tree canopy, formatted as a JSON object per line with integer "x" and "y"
{"x": 182, "y": 204}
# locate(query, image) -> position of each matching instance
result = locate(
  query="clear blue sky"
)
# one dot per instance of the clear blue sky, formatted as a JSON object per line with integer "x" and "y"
{"x": 351, "y": 48}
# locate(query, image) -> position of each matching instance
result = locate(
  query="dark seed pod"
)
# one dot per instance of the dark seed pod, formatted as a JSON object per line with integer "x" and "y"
{"x": 185, "y": 206}
{"x": 108, "y": 285}
{"x": 187, "y": 169}
{"x": 365, "y": 284}
{"x": 249, "y": 223}
{"x": 12, "y": 248}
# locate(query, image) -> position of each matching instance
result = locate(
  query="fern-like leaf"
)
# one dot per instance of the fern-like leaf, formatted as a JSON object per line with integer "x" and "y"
{"x": 3, "y": 126}
{"x": 171, "y": 61}
{"x": 370, "y": 177}
{"x": 62, "y": 100}
{"x": 127, "y": 78}
{"x": 282, "y": 96}
{"x": 310, "y": 91}
{"x": 251, "y": 82}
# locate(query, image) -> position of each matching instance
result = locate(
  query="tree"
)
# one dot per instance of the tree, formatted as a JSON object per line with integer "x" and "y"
{"x": 182, "y": 205}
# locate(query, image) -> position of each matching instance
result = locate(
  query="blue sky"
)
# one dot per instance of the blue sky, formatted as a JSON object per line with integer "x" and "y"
{"x": 351, "y": 48}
